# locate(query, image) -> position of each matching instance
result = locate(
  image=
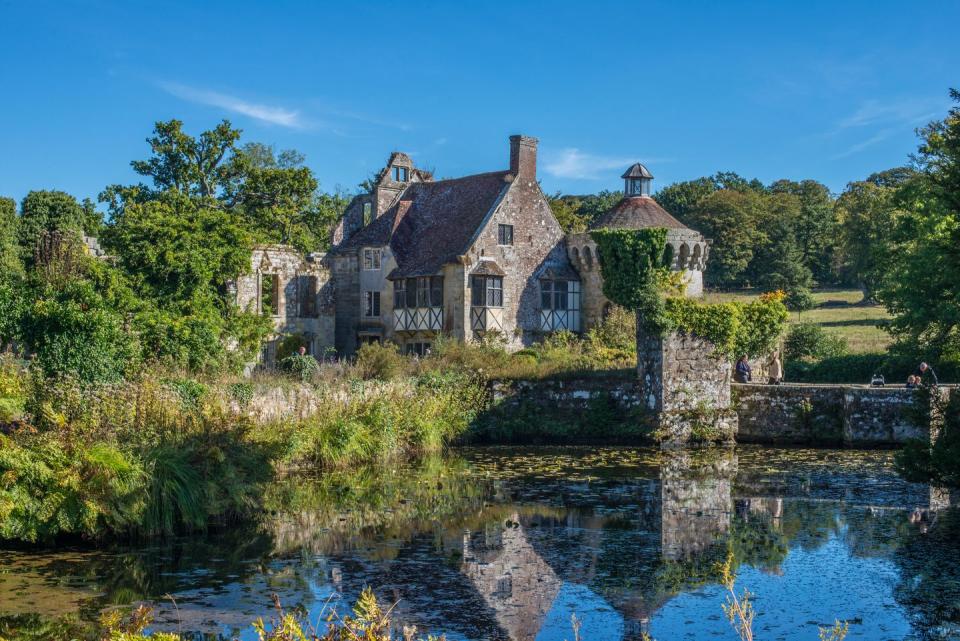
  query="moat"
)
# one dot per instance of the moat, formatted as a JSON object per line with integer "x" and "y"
{"x": 498, "y": 543}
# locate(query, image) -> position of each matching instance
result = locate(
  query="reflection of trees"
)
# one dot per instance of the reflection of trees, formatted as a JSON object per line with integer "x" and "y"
{"x": 929, "y": 564}
{"x": 339, "y": 510}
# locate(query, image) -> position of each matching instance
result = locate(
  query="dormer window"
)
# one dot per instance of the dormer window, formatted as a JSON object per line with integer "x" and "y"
{"x": 400, "y": 174}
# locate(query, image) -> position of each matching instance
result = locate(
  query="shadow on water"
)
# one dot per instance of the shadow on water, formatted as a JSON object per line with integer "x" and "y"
{"x": 500, "y": 543}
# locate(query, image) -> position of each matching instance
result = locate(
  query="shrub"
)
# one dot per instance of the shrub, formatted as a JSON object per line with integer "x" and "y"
{"x": 290, "y": 345}
{"x": 799, "y": 299}
{"x": 300, "y": 366}
{"x": 382, "y": 362}
{"x": 810, "y": 341}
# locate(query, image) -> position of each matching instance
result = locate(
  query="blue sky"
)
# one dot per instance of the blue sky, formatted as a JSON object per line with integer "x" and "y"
{"x": 823, "y": 90}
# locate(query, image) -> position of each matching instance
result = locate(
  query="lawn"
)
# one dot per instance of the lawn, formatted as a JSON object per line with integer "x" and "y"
{"x": 840, "y": 312}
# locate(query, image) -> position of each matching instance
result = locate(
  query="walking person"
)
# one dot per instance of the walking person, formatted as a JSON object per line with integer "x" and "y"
{"x": 743, "y": 372}
{"x": 775, "y": 371}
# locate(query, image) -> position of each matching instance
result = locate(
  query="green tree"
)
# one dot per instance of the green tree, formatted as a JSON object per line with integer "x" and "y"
{"x": 566, "y": 210}
{"x": 9, "y": 249}
{"x": 865, "y": 214}
{"x": 279, "y": 198}
{"x": 920, "y": 287}
{"x": 730, "y": 218}
{"x": 48, "y": 211}
{"x": 778, "y": 262}
{"x": 680, "y": 198}
{"x": 196, "y": 166}
{"x": 815, "y": 227}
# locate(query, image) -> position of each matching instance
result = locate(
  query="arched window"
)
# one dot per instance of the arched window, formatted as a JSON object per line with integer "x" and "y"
{"x": 697, "y": 255}
{"x": 576, "y": 255}
{"x": 683, "y": 256}
{"x": 588, "y": 257}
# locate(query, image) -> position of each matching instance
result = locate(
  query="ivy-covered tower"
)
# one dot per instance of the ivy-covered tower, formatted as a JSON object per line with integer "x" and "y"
{"x": 636, "y": 210}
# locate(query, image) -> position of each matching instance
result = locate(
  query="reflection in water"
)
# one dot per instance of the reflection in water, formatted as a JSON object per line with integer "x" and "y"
{"x": 506, "y": 544}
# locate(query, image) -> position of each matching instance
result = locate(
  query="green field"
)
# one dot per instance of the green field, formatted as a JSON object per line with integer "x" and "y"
{"x": 840, "y": 312}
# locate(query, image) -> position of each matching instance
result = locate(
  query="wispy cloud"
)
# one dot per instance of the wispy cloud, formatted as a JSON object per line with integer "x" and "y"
{"x": 910, "y": 111}
{"x": 579, "y": 165}
{"x": 883, "y": 120}
{"x": 265, "y": 113}
{"x": 880, "y": 136}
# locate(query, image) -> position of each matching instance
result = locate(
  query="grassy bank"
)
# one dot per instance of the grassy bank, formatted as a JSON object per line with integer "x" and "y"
{"x": 162, "y": 454}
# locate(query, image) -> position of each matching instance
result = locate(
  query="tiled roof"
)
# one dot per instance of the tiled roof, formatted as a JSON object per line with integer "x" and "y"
{"x": 638, "y": 212}
{"x": 432, "y": 223}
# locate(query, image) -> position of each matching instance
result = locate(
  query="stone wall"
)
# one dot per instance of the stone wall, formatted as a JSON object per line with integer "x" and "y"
{"x": 304, "y": 296}
{"x": 853, "y": 416}
{"x": 687, "y": 388}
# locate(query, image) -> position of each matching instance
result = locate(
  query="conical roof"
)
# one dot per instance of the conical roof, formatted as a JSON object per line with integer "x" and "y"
{"x": 638, "y": 212}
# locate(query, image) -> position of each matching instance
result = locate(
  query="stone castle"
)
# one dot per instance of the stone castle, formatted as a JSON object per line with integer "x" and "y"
{"x": 465, "y": 257}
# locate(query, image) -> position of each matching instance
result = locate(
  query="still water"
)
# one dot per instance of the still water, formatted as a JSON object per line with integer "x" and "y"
{"x": 498, "y": 543}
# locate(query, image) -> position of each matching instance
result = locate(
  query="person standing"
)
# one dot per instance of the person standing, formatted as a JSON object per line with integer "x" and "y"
{"x": 775, "y": 371}
{"x": 925, "y": 375}
{"x": 743, "y": 371}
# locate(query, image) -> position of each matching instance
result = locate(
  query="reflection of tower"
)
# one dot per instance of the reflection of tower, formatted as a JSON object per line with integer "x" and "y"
{"x": 511, "y": 577}
{"x": 696, "y": 502}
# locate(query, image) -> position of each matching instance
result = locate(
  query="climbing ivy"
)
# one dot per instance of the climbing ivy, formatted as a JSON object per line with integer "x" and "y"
{"x": 735, "y": 329}
{"x": 635, "y": 264}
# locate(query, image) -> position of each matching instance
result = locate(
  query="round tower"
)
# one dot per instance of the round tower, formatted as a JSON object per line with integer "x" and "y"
{"x": 636, "y": 210}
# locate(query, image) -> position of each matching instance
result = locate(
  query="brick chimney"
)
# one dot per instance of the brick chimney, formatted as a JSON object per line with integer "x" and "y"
{"x": 523, "y": 157}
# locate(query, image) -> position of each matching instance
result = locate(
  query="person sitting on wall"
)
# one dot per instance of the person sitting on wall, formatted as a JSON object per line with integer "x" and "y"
{"x": 925, "y": 375}
{"x": 743, "y": 373}
{"x": 911, "y": 382}
{"x": 775, "y": 371}
{"x": 302, "y": 350}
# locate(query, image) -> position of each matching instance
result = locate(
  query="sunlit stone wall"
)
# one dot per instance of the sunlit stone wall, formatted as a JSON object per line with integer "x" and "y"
{"x": 832, "y": 414}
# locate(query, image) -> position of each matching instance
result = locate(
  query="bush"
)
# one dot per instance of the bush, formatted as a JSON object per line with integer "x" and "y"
{"x": 290, "y": 345}
{"x": 799, "y": 299}
{"x": 809, "y": 341}
{"x": 382, "y": 362}
{"x": 300, "y": 366}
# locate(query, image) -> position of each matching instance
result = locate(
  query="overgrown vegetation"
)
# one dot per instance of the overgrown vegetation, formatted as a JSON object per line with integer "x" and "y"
{"x": 937, "y": 463}
{"x": 158, "y": 455}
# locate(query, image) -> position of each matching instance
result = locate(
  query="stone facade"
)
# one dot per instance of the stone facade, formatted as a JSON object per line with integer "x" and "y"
{"x": 295, "y": 291}
{"x": 687, "y": 388}
{"x": 497, "y": 228}
{"x": 848, "y": 415}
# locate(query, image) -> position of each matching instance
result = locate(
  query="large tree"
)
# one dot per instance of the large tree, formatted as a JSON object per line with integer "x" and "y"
{"x": 49, "y": 211}
{"x": 865, "y": 214}
{"x": 814, "y": 228}
{"x": 920, "y": 285}
{"x": 729, "y": 218}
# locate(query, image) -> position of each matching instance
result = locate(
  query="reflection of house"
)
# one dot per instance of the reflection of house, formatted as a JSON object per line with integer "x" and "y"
{"x": 475, "y": 256}
{"x": 514, "y": 581}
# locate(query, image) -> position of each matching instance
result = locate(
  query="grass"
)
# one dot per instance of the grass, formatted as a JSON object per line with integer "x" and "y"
{"x": 840, "y": 312}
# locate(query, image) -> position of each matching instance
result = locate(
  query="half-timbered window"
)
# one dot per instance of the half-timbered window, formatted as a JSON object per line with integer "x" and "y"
{"x": 559, "y": 305}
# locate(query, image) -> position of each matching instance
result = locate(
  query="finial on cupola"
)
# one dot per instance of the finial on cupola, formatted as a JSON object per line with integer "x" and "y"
{"x": 636, "y": 181}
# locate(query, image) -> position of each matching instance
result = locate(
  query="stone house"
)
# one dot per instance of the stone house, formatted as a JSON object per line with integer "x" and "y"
{"x": 469, "y": 258}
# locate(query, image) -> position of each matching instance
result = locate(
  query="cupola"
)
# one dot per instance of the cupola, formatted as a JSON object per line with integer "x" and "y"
{"x": 636, "y": 181}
